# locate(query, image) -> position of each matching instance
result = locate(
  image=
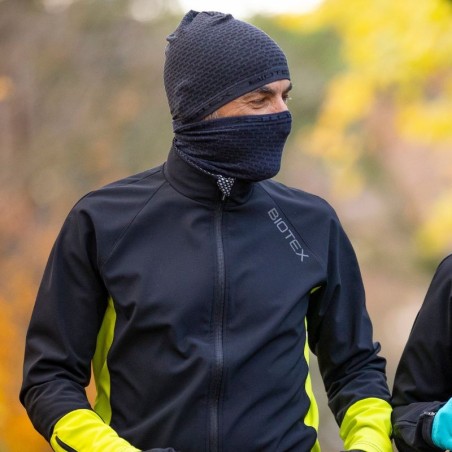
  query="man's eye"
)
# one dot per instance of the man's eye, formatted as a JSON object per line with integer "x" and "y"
{"x": 286, "y": 98}
{"x": 259, "y": 101}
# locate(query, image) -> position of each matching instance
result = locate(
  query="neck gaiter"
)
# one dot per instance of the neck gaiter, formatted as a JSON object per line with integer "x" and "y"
{"x": 238, "y": 147}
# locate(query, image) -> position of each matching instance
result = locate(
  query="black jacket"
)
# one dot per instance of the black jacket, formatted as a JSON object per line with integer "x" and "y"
{"x": 423, "y": 381}
{"x": 202, "y": 306}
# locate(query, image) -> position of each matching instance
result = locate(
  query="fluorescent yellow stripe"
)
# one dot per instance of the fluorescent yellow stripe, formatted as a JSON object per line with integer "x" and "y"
{"x": 84, "y": 431}
{"x": 315, "y": 289}
{"x": 312, "y": 416}
{"x": 100, "y": 369}
{"x": 367, "y": 426}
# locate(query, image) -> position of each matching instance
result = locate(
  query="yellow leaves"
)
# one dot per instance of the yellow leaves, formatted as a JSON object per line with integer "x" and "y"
{"x": 19, "y": 432}
{"x": 405, "y": 42}
{"x": 389, "y": 41}
{"x": 431, "y": 122}
{"x": 349, "y": 98}
{"x": 10, "y": 354}
{"x": 17, "y": 295}
{"x": 394, "y": 93}
{"x": 435, "y": 234}
{"x": 303, "y": 23}
{"x": 341, "y": 152}
{"x": 425, "y": 110}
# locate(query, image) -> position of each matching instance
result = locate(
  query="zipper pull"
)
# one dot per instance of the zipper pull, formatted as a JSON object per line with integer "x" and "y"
{"x": 225, "y": 185}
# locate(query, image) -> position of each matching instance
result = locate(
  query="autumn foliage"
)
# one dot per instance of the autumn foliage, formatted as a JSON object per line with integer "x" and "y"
{"x": 391, "y": 103}
{"x": 82, "y": 104}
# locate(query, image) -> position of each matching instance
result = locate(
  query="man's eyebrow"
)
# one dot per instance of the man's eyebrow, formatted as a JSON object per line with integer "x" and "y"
{"x": 289, "y": 88}
{"x": 267, "y": 90}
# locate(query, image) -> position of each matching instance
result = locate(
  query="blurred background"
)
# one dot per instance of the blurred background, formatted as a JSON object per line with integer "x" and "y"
{"x": 82, "y": 104}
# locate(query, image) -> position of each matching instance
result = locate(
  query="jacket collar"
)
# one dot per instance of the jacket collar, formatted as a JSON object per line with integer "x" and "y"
{"x": 199, "y": 186}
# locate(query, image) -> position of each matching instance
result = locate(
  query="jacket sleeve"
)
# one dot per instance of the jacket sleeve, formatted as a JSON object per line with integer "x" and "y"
{"x": 83, "y": 430}
{"x": 61, "y": 342}
{"x": 340, "y": 334}
{"x": 423, "y": 376}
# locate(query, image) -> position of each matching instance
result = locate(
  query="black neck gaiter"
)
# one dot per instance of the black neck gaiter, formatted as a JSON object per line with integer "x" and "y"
{"x": 239, "y": 147}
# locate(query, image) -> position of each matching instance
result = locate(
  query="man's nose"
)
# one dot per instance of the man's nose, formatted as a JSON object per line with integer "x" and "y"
{"x": 279, "y": 105}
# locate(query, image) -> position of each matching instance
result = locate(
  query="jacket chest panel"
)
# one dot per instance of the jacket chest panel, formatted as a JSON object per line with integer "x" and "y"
{"x": 163, "y": 271}
{"x": 168, "y": 267}
{"x": 270, "y": 269}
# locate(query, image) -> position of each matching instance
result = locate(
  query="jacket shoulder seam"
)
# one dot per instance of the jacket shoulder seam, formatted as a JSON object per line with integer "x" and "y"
{"x": 124, "y": 230}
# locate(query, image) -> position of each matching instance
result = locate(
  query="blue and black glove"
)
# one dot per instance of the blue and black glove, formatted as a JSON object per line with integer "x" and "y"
{"x": 442, "y": 427}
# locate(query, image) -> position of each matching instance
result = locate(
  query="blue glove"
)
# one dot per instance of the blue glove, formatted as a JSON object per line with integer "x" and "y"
{"x": 442, "y": 427}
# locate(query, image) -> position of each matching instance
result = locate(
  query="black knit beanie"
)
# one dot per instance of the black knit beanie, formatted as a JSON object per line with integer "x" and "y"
{"x": 213, "y": 58}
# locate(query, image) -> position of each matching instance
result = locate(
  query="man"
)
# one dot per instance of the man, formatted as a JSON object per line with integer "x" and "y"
{"x": 422, "y": 397}
{"x": 193, "y": 287}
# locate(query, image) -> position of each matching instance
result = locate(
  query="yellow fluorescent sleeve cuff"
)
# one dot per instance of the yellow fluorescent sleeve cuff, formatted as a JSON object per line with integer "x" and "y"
{"x": 367, "y": 426}
{"x": 84, "y": 431}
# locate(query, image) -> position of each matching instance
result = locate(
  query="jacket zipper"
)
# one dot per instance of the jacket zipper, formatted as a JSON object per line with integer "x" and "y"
{"x": 218, "y": 321}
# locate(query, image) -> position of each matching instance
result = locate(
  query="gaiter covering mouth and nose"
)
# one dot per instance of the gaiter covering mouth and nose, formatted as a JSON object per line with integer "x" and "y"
{"x": 238, "y": 147}
{"x": 211, "y": 59}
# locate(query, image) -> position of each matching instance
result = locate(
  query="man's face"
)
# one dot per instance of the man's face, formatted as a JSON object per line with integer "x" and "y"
{"x": 268, "y": 99}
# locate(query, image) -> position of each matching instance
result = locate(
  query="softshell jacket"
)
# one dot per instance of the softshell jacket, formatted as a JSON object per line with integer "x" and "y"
{"x": 195, "y": 311}
{"x": 423, "y": 380}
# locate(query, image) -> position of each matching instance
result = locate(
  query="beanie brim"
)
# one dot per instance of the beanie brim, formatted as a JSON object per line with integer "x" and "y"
{"x": 239, "y": 89}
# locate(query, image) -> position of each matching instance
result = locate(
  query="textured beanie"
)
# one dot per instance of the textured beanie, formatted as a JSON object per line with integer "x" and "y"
{"x": 213, "y": 58}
